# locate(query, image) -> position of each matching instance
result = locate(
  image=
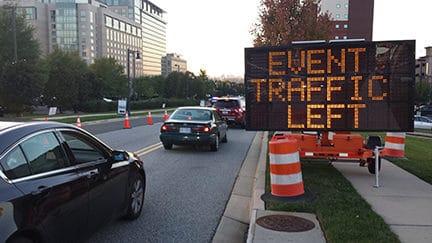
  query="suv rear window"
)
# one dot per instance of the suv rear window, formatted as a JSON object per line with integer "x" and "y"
{"x": 227, "y": 104}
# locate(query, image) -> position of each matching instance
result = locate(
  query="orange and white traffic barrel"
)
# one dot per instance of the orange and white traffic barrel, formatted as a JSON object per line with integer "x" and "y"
{"x": 285, "y": 168}
{"x": 394, "y": 145}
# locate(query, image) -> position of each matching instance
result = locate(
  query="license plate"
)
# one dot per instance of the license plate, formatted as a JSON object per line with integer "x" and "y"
{"x": 224, "y": 112}
{"x": 185, "y": 130}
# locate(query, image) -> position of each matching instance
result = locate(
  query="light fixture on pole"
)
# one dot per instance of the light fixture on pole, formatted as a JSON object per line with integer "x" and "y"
{"x": 136, "y": 55}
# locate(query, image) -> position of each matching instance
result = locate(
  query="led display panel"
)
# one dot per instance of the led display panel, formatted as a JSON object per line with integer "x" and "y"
{"x": 337, "y": 86}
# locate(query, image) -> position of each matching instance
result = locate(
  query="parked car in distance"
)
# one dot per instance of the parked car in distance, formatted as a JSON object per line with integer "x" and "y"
{"x": 194, "y": 125}
{"x": 425, "y": 110}
{"x": 60, "y": 183}
{"x": 232, "y": 109}
{"x": 422, "y": 122}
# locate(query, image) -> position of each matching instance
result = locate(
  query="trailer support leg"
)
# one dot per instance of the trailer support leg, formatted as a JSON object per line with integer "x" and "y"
{"x": 377, "y": 165}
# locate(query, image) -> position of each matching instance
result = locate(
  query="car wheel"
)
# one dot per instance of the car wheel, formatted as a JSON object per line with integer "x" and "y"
{"x": 21, "y": 239}
{"x": 224, "y": 139}
{"x": 215, "y": 145}
{"x": 371, "y": 165}
{"x": 168, "y": 146}
{"x": 136, "y": 197}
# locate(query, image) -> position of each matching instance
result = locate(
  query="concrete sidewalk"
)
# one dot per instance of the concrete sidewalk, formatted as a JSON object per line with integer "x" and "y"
{"x": 403, "y": 200}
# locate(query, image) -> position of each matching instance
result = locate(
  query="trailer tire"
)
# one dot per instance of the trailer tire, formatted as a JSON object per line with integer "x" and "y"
{"x": 371, "y": 165}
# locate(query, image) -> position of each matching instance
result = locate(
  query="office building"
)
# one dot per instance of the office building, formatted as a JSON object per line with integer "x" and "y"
{"x": 352, "y": 19}
{"x": 150, "y": 18}
{"x": 100, "y": 28}
{"x": 173, "y": 62}
{"x": 424, "y": 66}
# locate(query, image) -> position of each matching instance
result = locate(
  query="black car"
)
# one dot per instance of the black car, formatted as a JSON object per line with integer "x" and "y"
{"x": 194, "y": 126}
{"x": 60, "y": 183}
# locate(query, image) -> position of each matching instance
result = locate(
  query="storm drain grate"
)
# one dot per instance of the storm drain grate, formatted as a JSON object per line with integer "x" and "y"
{"x": 287, "y": 223}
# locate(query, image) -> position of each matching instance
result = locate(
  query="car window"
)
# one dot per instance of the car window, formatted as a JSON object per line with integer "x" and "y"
{"x": 227, "y": 103}
{"x": 15, "y": 164}
{"x": 82, "y": 149}
{"x": 192, "y": 114}
{"x": 44, "y": 153}
{"x": 424, "y": 119}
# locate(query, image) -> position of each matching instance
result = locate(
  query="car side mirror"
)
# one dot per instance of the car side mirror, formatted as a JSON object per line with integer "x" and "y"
{"x": 119, "y": 156}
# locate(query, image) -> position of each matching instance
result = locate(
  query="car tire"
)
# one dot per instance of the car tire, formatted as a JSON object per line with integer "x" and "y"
{"x": 224, "y": 139}
{"x": 136, "y": 197}
{"x": 21, "y": 239}
{"x": 371, "y": 165}
{"x": 215, "y": 146}
{"x": 167, "y": 146}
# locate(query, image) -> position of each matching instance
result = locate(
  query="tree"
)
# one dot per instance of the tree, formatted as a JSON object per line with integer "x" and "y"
{"x": 146, "y": 87}
{"x": 284, "y": 21}
{"x": 21, "y": 81}
{"x": 66, "y": 72}
{"x": 110, "y": 80}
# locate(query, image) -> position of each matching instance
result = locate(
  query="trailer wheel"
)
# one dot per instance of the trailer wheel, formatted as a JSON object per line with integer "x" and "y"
{"x": 371, "y": 165}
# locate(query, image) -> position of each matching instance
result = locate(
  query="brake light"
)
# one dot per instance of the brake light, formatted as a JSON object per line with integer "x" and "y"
{"x": 206, "y": 129}
{"x": 168, "y": 128}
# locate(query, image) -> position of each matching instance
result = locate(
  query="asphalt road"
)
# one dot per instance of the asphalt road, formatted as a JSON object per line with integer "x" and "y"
{"x": 187, "y": 188}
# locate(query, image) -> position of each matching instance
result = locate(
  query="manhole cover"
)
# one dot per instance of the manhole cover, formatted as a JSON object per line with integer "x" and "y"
{"x": 287, "y": 223}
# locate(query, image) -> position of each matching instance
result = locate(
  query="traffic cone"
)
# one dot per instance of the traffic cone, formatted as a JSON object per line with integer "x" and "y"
{"x": 149, "y": 119}
{"x": 126, "y": 122}
{"x": 78, "y": 122}
{"x": 165, "y": 116}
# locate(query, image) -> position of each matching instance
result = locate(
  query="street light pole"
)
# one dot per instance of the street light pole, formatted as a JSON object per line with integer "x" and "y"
{"x": 128, "y": 82}
{"x": 129, "y": 51}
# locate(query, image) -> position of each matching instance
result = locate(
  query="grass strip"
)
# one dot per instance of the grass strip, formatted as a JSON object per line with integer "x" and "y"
{"x": 344, "y": 215}
{"x": 418, "y": 153}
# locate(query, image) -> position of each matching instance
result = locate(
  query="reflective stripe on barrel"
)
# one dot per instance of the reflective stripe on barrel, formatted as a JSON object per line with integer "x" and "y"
{"x": 394, "y": 145}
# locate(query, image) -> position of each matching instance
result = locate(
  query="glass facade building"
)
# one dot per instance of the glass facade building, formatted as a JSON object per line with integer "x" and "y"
{"x": 100, "y": 28}
{"x": 153, "y": 35}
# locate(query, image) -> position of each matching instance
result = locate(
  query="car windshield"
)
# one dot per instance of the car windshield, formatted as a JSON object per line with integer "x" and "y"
{"x": 227, "y": 104}
{"x": 192, "y": 114}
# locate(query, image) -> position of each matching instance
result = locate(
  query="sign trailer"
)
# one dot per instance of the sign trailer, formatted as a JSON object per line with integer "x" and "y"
{"x": 337, "y": 86}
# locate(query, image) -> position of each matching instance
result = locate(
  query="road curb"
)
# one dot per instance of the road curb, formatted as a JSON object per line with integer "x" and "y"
{"x": 233, "y": 226}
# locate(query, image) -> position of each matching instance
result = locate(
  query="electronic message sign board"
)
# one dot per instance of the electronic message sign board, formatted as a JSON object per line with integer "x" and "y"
{"x": 337, "y": 86}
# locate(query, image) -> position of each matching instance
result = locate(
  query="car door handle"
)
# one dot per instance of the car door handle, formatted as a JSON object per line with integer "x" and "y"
{"x": 40, "y": 190}
{"x": 92, "y": 173}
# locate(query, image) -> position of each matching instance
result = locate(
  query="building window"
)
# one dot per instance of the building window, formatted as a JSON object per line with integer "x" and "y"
{"x": 346, "y": 5}
{"x": 345, "y": 37}
{"x": 345, "y": 26}
{"x": 337, "y": 16}
{"x": 346, "y": 16}
{"x": 337, "y": 26}
{"x": 338, "y": 5}
{"x": 108, "y": 21}
{"x": 336, "y": 37}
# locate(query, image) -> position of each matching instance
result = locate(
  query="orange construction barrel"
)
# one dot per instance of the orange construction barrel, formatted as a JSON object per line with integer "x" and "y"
{"x": 285, "y": 168}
